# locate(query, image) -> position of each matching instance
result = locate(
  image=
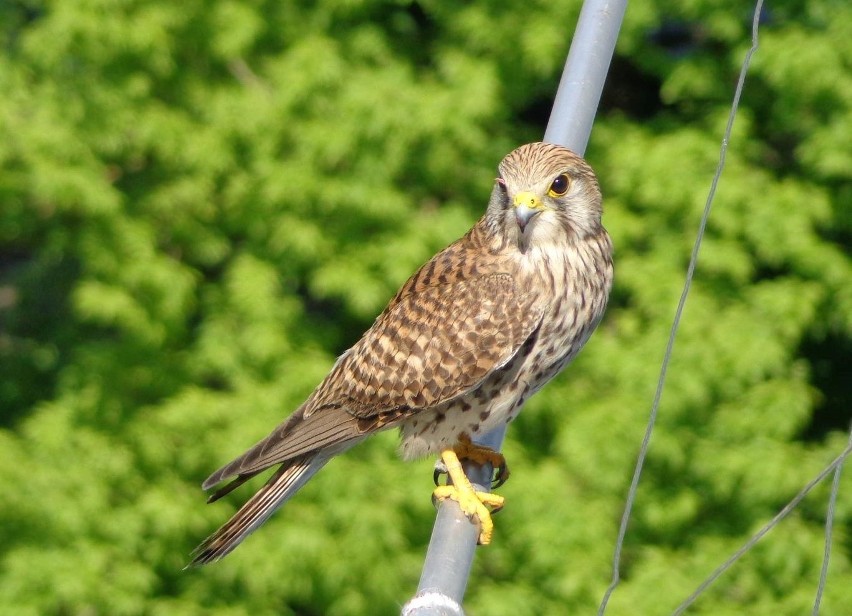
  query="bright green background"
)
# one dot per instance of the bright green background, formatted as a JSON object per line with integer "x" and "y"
{"x": 203, "y": 203}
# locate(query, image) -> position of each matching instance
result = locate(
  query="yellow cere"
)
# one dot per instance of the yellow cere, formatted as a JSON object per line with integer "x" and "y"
{"x": 528, "y": 199}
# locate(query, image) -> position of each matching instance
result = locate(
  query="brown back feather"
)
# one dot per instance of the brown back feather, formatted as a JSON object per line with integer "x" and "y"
{"x": 451, "y": 325}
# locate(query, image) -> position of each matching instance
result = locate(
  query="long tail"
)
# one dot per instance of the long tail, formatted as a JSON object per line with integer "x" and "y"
{"x": 286, "y": 481}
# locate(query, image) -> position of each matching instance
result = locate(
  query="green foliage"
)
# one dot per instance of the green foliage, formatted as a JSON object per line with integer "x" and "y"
{"x": 203, "y": 203}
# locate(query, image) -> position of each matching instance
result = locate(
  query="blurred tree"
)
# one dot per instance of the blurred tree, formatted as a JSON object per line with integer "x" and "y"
{"x": 204, "y": 202}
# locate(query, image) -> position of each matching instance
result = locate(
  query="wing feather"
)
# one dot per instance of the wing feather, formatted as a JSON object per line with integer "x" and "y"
{"x": 435, "y": 341}
{"x": 278, "y": 490}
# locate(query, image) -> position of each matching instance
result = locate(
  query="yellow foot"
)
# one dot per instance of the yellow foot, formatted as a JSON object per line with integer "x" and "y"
{"x": 468, "y": 450}
{"x": 475, "y": 505}
{"x": 478, "y": 454}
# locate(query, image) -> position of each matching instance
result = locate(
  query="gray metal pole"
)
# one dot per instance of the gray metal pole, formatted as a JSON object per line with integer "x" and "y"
{"x": 584, "y": 74}
{"x": 450, "y": 553}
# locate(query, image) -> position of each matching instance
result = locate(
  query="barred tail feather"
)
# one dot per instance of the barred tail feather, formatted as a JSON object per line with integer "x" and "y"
{"x": 286, "y": 481}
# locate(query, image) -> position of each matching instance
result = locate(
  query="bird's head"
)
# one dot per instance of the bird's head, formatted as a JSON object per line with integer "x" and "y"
{"x": 545, "y": 193}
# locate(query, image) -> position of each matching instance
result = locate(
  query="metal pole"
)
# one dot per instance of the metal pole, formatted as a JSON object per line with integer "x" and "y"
{"x": 450, "y": 553}
{"x": 584, "y": 74}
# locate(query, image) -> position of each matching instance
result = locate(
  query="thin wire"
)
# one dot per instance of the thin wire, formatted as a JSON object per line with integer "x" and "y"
{"x": 829, "y": 526}
{"x": 835, "y": 464}
{"x": 652, "y": 419}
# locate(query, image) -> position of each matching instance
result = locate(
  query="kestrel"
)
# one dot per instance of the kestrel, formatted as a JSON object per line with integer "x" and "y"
{"x": 464, "y": 343}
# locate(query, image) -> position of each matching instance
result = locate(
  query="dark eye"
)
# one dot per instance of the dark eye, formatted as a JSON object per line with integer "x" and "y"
{"x": 501, "y": 183}
{"x": 559, "y": 186}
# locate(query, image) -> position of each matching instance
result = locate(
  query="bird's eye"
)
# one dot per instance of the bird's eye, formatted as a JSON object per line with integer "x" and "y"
{"x": 559, "y": 186}
{"x": 501, "y": 183}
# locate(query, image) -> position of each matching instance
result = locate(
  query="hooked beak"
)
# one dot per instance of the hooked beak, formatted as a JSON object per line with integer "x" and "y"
{"x": 527, "y": 205}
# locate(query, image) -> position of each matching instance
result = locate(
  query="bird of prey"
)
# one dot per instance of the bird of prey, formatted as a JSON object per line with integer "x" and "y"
{"x": 465, "y": 342}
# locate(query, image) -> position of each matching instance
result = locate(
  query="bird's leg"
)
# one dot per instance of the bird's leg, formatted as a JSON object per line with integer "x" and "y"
{"x": 479, "y": 454}
{"x": 474, "y": 504}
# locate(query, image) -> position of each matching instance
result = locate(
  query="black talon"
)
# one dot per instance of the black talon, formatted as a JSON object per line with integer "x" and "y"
{"x": 501, "y": 474}
{"x": 440, "y": 469}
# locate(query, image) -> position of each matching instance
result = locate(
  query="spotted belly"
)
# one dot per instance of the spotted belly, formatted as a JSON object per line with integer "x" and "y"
{"x": 497, "y": 400}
